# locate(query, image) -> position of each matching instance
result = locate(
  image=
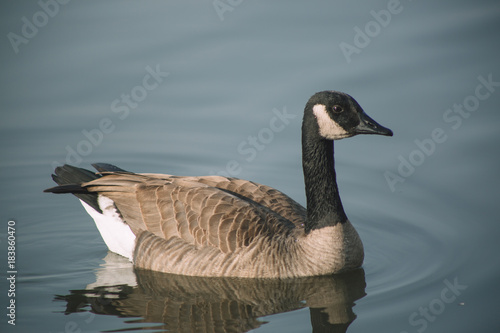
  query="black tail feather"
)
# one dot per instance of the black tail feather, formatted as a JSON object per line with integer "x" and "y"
{"x": 68, "y": 188}
{"x": 68, "y": 174}
{"x": 70, "y": 179}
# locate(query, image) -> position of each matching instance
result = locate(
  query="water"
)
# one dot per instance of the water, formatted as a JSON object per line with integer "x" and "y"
{"x": 422, "y": 201}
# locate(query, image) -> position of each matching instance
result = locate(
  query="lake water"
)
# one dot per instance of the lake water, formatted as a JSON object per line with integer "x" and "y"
{"x": 178, "y": 86}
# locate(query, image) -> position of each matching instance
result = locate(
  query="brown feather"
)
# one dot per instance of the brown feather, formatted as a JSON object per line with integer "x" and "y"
{"x": 199, "y": 210}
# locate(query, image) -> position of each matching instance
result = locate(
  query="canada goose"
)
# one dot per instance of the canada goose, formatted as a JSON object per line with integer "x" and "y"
{"x": 219, "y": 226}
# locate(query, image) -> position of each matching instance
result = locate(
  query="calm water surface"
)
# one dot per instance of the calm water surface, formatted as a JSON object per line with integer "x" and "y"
{"x": 177, "y": 87}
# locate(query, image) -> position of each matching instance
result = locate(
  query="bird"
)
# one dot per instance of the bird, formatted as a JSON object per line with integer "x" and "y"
{"x": 216, "y": 226}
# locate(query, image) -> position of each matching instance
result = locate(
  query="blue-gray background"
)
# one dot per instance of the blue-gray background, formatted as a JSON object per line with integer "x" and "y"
{"x": 227, "y": 72}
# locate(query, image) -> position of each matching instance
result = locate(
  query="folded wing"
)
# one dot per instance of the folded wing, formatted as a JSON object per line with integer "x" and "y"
{"x": 224, "y": 213}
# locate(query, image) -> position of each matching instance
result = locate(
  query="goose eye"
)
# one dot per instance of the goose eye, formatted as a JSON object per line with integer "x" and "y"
{"x": 337, "y": 109}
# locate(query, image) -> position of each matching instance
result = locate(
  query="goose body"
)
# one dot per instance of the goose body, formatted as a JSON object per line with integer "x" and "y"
{"x": 221, "y": 226}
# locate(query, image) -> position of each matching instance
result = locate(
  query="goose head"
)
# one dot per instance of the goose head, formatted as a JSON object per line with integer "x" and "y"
{"x": 335, "y": 115}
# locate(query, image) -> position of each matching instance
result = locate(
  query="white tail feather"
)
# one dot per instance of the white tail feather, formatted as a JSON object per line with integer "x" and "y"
{"x": 114, "y": 231}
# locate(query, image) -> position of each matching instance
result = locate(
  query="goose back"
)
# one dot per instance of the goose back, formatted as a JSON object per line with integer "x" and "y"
{"x": 215, "y": 221}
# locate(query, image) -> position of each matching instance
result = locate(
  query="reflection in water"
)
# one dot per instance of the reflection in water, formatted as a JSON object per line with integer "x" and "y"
{"x": 194, "y": 304}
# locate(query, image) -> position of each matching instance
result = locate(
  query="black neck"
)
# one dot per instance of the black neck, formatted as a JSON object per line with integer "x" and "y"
{"x": 324, "y": 207}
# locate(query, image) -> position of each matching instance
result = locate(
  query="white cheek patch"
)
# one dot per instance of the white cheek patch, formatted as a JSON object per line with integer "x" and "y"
{"x": 328, "y": 128}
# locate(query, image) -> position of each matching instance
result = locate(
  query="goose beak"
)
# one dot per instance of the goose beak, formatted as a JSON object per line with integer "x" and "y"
{"x": 369, "y": 126}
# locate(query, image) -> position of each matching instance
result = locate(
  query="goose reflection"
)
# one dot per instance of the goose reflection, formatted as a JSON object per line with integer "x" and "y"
{"x": 195, "y": 304}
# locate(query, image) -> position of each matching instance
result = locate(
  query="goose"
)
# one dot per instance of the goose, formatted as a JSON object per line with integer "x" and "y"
{"x": 215, "y": 226}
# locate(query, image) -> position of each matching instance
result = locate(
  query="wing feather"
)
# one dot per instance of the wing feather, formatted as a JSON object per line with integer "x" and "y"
{"x": 219, "y": 212}
{"x": 264, "y": 195}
